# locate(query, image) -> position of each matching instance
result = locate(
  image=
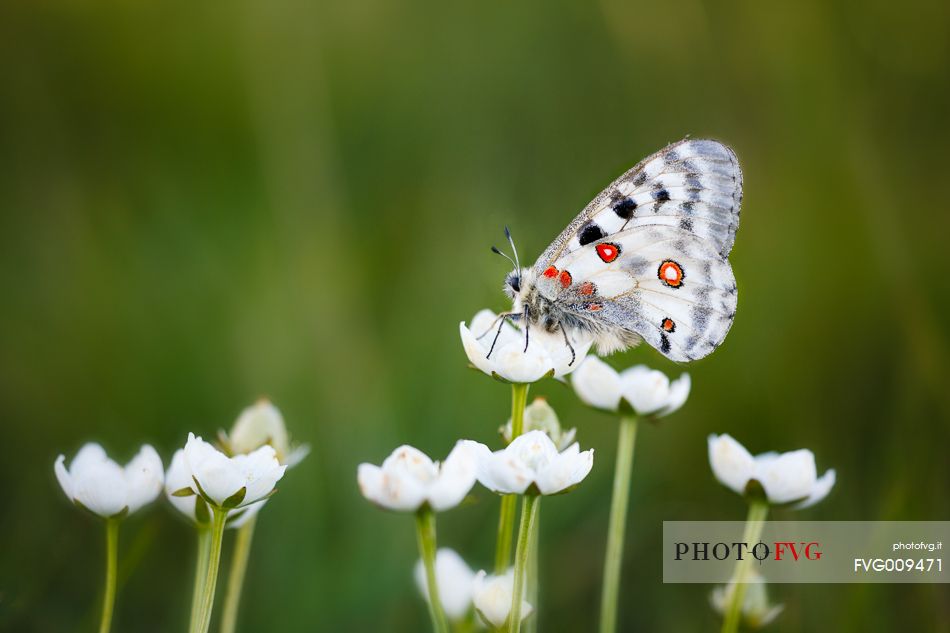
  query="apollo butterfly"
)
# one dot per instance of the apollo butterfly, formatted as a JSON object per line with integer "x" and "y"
{"x": 647, "y": 259}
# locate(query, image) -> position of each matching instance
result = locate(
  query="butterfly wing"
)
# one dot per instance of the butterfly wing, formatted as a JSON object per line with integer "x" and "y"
{"x": 660, "y": 283}
{"x": 694, "y": 184}
{"x": 647, "y": 258}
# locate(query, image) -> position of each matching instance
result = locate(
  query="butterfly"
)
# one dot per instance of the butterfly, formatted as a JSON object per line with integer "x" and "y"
{"x": 647, "y": 259}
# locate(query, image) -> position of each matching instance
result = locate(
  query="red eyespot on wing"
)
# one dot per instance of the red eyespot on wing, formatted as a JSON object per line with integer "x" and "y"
{"x": 588, "y": 288}
{"x": 668, "y": 325}
{"x": 565, "y": 279}
{"x": 550, "y": 272}
{"x": 607, "y": 252}
{"x": 671, "y": 273}
{"x": 594, "y": 307}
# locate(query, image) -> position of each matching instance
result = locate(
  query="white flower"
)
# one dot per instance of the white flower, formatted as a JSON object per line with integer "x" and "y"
{"x": 102, "y": 486}
{"x": 454, "y": 579}
{"x": 261, "y": 424}
{"x": 647, "y": 391}
{"x": 597, "y": 384}
{"x": 194, "y": 507}
{"x": 178, "y": 477}
{"x": 546, "y": 354}
{"x": 784, "y": 477}
{"x": 532, "y": 459}
{"x": 539, "y": 416}
{"x": 756, "y": 610}
{"x": 221, "y": 479}
{"x": 492, "y": 596}
{"x": 650, "y": 392}
{"x": 408, "y": 478}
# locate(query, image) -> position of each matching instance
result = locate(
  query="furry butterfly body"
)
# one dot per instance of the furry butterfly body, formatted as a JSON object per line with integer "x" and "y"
{"x": 647, "y": 259}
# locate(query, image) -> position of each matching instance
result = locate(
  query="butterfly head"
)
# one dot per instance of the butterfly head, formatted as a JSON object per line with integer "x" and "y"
{"x": 518, "y": 282}
{"x": 513, "y": 283}
{"x": 517, "y": 278}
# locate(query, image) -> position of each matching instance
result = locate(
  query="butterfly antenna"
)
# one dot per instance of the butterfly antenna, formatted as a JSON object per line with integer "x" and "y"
{"x": 495, "y": 250}
{"x": 513, "y": 249}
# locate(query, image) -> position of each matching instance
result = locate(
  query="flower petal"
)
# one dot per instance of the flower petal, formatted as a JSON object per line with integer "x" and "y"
{"x": 296, "y": 455}
{"x": 566, "y": 470}
{"x": 62, "y": 475}
{"x": 219, "y": 477}
{"x": 532, "y": 458}
{"x": 457, "y": 475}
{"x": 101, "y": 487}
{"x": 788, "y": 477}
{"x": 475, "y": 351}
{"x": 676, "y": 398}
{"x": 261, "y": 471}
{"x": 535, "y": 449}
{"x": 454, "y": 579}
{"x": 822, "y": 487}
{"x": 492, "y": 596}
{"x": 369, "y": 477}
{"x": 731, "y": 463}
{"x": 94, "y": 480}
{"x": 565, "y": 360}
{"x": 597, "y": 384}
{"x": 393, "y": 490}
{"x": 144, "y": 476}
{"x": 177, "y": 477}
{"x": 260, "y": 424}
{"x": 515, "y": 364}
{"x": 647, "y": 390}
{"x": 90, "y": 454}
{"x": 505, "y": 474}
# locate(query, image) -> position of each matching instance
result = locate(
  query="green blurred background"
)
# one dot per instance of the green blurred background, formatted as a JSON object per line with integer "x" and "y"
{"x": 204, "y": 204}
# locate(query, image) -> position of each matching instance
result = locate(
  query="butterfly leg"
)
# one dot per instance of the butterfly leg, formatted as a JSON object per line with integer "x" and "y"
{"x": 526, "y": 325}
{"x": 568, "y": 343}
{"x": 500, "y": 317}
{"x": 501, "y": 322}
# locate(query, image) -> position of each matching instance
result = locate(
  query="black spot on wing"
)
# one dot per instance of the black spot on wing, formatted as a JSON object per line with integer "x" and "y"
{"x": 661, "y": 195}
{"x": 590, "y": 233}
{"x": 624, "y": 208}
{"x": 664, "y": 343}
{"x": 639, "y": 179}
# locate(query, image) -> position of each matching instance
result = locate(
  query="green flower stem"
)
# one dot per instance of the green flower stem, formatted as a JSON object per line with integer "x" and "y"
{"x": 218, "y": 518}
{"x": 519, "y": 400}
{"x": 232, "y": 599}
{"x": 112, "y": 558}
{"x": 531, "y": 626}
{"x": 758, "y": 510}
{"x": 201, "y": 570}
{"x": 529, "y": 513}
{"x": 506, "y": 520}
{"x": 613, "y": 558}
{"x": 425, "y": 530}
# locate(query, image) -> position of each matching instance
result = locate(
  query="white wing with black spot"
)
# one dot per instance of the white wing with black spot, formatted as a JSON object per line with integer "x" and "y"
{"x": 694, "y": 185}
{"x": 661, "y": 283}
